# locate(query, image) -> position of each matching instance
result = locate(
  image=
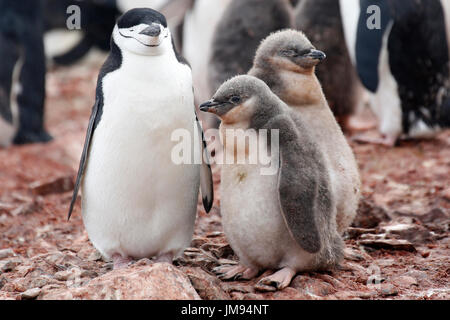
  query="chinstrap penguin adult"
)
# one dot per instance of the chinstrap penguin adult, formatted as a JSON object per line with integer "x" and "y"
{"x": 283, "y": 220}
{"x": 22, "y": 52}
{"x": 136, "y": 202}
{"x": 286, "y": 61}
{"x": 403, "y": 63}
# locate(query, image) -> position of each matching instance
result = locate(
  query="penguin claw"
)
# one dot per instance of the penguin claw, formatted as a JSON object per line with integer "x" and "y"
{"x": 277, "y": 281}
{"x": 229, "y": 272}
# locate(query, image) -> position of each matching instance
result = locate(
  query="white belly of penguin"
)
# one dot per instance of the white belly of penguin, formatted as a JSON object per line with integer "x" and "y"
{"x": 253, "y": 222}
{"x": 136, "y": 201}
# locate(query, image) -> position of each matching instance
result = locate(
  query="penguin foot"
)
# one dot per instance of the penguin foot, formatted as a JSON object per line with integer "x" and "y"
{"x": 277, "y": 281}
{"x": 235, "y": 272}
{"x": 121, "y": 262}
{"x": 32, "y": 137}
{"x": 388, "y": 140}
{"x": 358, "y": 124}
{"x": 164, "y": 258}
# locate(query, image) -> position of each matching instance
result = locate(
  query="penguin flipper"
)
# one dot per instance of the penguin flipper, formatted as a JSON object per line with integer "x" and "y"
{"x": 304, "y": 194}
{"x": 93, "y": 120}
{"x": 206, "y": 180}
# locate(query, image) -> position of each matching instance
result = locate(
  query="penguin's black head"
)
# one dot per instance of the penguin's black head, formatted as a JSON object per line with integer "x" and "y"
{"x": 237, "y": 98}
{"x": 288, "y": 50}
{"x": 142, "y": 31}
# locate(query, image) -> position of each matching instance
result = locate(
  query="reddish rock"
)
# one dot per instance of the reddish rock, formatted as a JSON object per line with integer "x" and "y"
{"x": 294, "y": 294}
{"x": 160, "y": 281}
{"x": 387, "y": 290}
{"x": 405, "y": 281}
{"x": 369, "y": 215}
{"x": 58, "y": 185}
{"x": 207, "y": 286}
{"x": 312, "y": 286}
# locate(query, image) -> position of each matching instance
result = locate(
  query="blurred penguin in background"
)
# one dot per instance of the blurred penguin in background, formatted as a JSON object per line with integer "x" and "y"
{"x": 321, "y": 21}
{"x": 97, "y": 22}
{"x": 198, "y": 30}
{"x": 243, "y": 25}
{"x": 403, "y": 61}
{"x": 22, "y": 53}
{"x": 394, "y": 51}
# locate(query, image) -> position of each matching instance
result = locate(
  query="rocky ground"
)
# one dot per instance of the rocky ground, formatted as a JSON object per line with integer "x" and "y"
{"x": 398, "y": 247}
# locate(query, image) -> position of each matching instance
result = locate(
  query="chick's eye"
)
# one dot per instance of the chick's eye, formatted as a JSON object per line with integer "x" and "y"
{"x": 289, "y": 53}
{"x": 131, "y": 30}
{"x": 304, "y": 52}
{"x": 235, "y": 99}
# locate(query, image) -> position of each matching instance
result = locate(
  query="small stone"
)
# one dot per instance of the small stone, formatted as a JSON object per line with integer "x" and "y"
{"x": 6, "y": 253}
{"x": 233, "y": 287}
{"x": 387, "y": 289}
{"x": 8, "y": 266}
{"x": 293, "y": 294}
{"x": 219, "y": 250}
{"x": 311, "y": 285}
{"x": 437, "y": 215}
{"x": 446, "y": 194}
{"x": 3, "y": 281}
{"x": 369, "y": 215}
{"x": 389, "y": 244}
{"x": 58, "y": 185}
{"x": 355, "y": 255}
{"x": 354, "y": 233}
{"x": 405, "y": 281}
{"x": 30, "y": 294}
{"x": 207, "y": 286}
{"x": 214, "y": 234}
{"x": 40, "y": 282}
{"x": 198, "y": 242}
{"x": 409, "y": 231}
{"x": 95, "y": 256}
{"x": 143, "y": 262}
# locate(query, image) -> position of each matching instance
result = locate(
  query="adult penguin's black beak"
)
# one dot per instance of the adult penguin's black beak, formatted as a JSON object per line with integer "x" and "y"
{"x": 153, "y": 30}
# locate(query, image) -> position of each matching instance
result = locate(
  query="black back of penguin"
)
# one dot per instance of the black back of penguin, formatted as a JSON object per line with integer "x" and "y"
{"x": 419, "y": 61}
{"x": 244, "y": 24}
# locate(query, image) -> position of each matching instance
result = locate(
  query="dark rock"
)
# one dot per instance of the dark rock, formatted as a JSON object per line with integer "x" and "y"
{"x": 354, "y": 233}
{"x": 207, "y": 286}
{"x": 389, "y": 244}
{"x": 369, "y": 215}
{"x": 409, "y": 231}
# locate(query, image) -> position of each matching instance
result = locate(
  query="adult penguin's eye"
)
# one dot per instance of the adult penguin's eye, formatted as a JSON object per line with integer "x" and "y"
{"x": 235, "y": 99}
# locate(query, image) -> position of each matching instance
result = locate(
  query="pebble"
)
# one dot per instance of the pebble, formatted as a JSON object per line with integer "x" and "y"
{"x": 8, "y": 266}
{"x": 387, "y": 290}
{"x": 405, "y": 281}
{"x": 30, "y": 294}
{"x": 6, "y": 253}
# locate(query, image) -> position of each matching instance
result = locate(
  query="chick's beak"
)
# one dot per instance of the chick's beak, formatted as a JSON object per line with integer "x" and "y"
{"x": 317, "y": 55}
{"x": 209, "y": 106}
